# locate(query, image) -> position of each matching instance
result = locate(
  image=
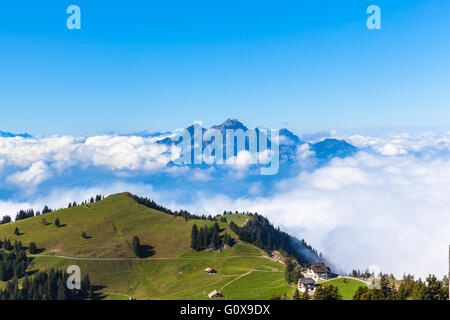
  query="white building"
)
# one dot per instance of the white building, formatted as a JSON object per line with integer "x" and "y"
{"x": 307, "y": 284}
{"x": 317, "y": 271}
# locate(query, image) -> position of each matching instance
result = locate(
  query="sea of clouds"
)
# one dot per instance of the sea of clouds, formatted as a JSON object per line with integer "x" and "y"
{"x": 388, "y": 205}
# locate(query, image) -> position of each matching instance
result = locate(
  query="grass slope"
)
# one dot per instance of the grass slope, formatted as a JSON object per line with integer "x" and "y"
{"x": 111, "y": 224}
{"x": 173, "y": 272}
{"x": 346, "y": 287}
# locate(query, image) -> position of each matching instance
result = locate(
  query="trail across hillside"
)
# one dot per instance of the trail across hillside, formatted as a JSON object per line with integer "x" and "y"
{"x": 237, "y": 278}
{"x": 143, "y": 259}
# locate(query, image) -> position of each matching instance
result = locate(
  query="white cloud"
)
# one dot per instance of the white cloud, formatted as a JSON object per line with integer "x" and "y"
{"x": 115, "y": 153}
{"x": 388, "y": 205}
{"x": 32, "y": 177}
{"x": 391, "y": 150}
{"x": 367, "y": 210}
{"x": 201, "y": 175}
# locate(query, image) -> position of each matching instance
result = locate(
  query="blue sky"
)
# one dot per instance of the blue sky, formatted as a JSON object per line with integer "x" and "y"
{"x": 306, "y": 65}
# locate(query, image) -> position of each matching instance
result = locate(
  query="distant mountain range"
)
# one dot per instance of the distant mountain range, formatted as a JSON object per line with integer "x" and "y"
{"x": 325, "y": 149}
{"x": 4, "y": 134}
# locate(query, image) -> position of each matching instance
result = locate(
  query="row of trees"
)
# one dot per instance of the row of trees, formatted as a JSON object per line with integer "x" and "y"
{"x": 25, "y": 214}
{"x": 293, "y": 271}
{"x": 5, "y": 219}
{"x": 321, "y": 293}
{"x": 409, "y": 289}
{"x": 182, "y": 213}
{"x": 47, "y": 285}
{"x": 98, "y": 197}
{"x": 209, "y": 238}
{"x": 14, "y": 263}
{"x": 261, "y": 233}
{"x": 359, "y": 274}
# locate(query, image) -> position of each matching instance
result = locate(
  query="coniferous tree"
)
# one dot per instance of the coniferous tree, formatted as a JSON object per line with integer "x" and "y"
{"x": 91, "y": 294}
{"x": 57, "y": 222}
{"x": 296, "y": 295}
{"x": 33, "y": 248}
{"x": 136, "y": 245}
{"x": 61, "y": 290}
{"x": 194, "y": 237}
{"x": 86, "y": 283}
{"x": 305, "y": 295}
{"x": 46, "y": 210}
{"x": 5, "y": 219}
{"x": 327, "y": 293}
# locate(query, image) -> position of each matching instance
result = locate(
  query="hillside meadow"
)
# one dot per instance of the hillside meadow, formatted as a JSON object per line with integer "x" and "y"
{"x": 172, "y": 270}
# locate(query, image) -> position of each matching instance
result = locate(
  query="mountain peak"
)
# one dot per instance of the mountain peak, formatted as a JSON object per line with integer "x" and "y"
{"x": 230, "y": 124}
{"x": 4, "y": 134}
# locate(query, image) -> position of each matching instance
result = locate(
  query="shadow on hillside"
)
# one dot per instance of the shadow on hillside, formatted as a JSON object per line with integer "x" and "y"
{"x": 30, "y": 273}
{"x": 62, "y": 225}
{"x": 37, "y": 250}
{"x": 98, "y": 295}
{"x": 147, "y": 251}
{"x": 87, "y": 237}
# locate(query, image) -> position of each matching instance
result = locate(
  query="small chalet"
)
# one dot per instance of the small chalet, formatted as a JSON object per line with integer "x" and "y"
{"x": 318, "y": 271}
{"x": 215, "y": 294}
{"x": 306, "y": 284}
{"x": 210, "y": 271}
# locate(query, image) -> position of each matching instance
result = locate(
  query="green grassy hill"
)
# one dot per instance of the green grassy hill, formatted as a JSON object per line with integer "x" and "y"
{"x": 173, "y": 271}
{"x": 346, "y": 287}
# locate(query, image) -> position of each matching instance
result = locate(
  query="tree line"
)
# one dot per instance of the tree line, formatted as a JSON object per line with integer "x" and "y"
{"x": 209, "y": 238}
{"x": 329, "y": 292}
{"x": 14, "y": 263}
{"x": 409, "y": 289}
{"x": 29, "y": 213}
{"x": 182, "y": 213}
{"x": 293, "y": 271}
{"x": 46, "y": 285}
{"x": 260, "y": 232}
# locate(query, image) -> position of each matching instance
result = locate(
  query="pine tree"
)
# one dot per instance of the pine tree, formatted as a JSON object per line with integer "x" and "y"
{"x": 16, "y": 231}
{"x": 57, "y": 222}
{"x": 296, "y": 295}
{"x": 136, "y": 244}
{"x": 86, "y": 283}
{"x": 33, "y": 248}
{"x": 194, "y": 238}
{"x": 305, "y": 295}
{"x": 25, "y": 287}
{"x": 46, "y": 210}
{"x": 61, "y": 290}
{"x": 327, "y": 293}
{"x": 91, "y": 293}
